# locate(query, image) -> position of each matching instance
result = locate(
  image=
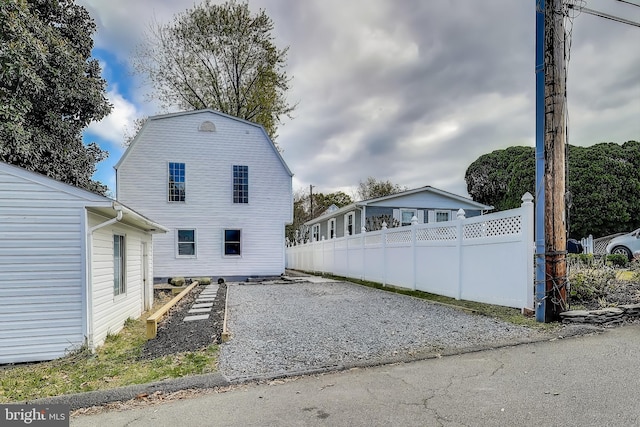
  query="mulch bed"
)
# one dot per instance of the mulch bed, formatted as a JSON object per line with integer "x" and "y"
{"x": 176, "y": 336}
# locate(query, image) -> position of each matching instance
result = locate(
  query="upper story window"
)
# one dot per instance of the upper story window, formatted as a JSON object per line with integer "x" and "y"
{"x": 240, "y": 184}
{"x": 177, "y": 182}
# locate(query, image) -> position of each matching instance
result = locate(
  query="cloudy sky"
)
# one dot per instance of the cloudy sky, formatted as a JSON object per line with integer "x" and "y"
{"x": 407, "y": 90}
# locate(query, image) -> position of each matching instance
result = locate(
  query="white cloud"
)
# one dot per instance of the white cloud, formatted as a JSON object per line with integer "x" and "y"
{"x": 112, "y": 128}
{"x": 411, "y": 91}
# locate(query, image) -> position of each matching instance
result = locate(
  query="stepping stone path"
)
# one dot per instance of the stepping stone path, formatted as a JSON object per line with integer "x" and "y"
{"x": 202, "y": 304}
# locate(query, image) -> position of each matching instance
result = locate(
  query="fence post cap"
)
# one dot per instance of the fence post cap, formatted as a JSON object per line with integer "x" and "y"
{"x": 527, "y": 198}
{"x": 414, "y": 220}
{"x": 363, "y": 230}
{"x": 384, "y": 225}
{"x": 460, "y": 214}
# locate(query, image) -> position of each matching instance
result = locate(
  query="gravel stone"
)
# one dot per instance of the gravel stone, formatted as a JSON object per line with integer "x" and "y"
{"x": 177, "y": 336}
{"x": 280, "y": 329}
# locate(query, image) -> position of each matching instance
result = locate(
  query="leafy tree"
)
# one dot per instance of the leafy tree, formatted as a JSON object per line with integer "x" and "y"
{"x": 372, "y": 188}
{"x": 603, "y": 181}
{"x": 50, "y": 90}
{"x": 501, "y": 177}
{"x": 321, "y": 202}
{"x": 220, "y": 57}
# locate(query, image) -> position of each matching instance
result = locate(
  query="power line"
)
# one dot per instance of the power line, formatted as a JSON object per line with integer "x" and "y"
{"x": 628, "y": 2}
{"x": 605, "y": 15}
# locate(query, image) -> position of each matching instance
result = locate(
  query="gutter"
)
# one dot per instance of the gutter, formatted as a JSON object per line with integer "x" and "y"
{"x": 89, "y": 303}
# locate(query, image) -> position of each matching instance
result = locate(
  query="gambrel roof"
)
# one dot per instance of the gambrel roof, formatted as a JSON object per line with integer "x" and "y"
{"x": 187, "y": 113}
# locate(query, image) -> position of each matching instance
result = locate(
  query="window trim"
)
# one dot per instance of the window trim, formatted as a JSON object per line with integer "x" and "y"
{"x": 224, "y": 243}
{"x": 331, "y": 228}
{"x": 442, "y": 211}
{"x": 351, "y": 215}
{"x": 315, "y": 233}
{"x": 195, "y": 243}
{"x": 414, "y": 212}
{"x": 169, "y": 195}
{"x": 120, "y": 285}
{"x": 236, "y": 187}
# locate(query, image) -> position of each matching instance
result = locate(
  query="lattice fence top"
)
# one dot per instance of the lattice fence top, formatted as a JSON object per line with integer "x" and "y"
{"x": 494, "y": 227}
{"x": 439, "y": 233}
{"x": 399, "y": 236}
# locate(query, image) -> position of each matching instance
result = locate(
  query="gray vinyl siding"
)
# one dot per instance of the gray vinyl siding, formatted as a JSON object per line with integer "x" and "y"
{"x": 41, "y": 256}
{"x": 209, "y": 208}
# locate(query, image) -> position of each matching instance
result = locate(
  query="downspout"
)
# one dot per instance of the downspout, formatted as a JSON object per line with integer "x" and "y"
{"x": 89, "y": 301}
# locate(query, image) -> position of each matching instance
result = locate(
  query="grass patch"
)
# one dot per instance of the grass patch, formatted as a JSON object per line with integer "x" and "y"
{"x": 511, "y": 315}
{"x": 115, "y": 364}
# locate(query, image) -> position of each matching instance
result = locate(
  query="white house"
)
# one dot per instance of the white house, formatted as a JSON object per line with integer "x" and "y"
{"x": 220, "y": 186}
{"x": 74, "y": 266}
{"x": 427, "y": 204}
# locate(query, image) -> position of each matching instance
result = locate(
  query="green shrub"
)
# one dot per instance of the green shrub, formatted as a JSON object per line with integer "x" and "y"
{"x": 177, "y": 281}
{"x": 590, "y": 285}
{"x": 617, "y": 260}
{"x": 202, "y": 280}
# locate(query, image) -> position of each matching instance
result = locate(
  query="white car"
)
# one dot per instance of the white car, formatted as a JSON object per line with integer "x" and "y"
{"x": 627, "y": 245}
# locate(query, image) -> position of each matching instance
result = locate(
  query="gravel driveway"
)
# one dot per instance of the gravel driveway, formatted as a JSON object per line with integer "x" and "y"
{"x": 299, "y": 327}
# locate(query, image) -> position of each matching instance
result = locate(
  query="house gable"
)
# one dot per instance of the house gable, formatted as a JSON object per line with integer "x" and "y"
{"x": 207, "y": 151}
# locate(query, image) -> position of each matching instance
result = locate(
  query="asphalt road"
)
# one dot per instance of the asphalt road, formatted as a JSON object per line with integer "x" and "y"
{"x": 587, "y": 380}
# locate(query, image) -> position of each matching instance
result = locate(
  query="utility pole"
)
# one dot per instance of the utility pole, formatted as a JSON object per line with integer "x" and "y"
{"x": 540, "y": 281}
{"x": 554, "y": 156}
{"x": 311, "y": 200}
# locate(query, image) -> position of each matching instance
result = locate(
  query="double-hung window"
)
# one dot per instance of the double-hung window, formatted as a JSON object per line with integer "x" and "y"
{"x": 119, "y": 275}
{"x": 240, "y": 184}
{"x": 349, "y": 224}
{"x": 186, "y": 243}
{"x": 443, "y": 216}
{"x": 332, "y": 228}
{"x": 406, "y": 215}
{"x": 232, "y": 242}
{"x": 177, "y": 182}
{"x": 315, "y": 232}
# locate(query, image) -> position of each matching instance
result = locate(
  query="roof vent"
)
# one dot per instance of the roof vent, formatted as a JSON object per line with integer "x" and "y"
{"x": 207, "y": 127}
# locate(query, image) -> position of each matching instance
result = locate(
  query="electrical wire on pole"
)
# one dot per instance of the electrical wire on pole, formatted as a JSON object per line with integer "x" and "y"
{"x": 628, "y": 2}
{"x": 604, "y": 15}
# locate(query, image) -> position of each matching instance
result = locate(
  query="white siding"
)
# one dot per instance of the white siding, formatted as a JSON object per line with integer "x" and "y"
{"x": 209, "y": 157}
{"x": 109, "y": 311}
{"x": 41, "y": 255}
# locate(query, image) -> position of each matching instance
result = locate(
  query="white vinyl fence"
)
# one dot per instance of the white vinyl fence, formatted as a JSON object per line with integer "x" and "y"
{"x": 487, "y": 258}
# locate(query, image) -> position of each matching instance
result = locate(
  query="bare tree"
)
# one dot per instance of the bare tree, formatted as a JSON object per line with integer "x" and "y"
{"x": 220, "y": 57}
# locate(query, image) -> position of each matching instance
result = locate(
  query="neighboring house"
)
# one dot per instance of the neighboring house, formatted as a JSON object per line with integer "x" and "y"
{"x": 74, "y": 266}
{"x": 427, "y": 204}
{"x": 221, "y": 187}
